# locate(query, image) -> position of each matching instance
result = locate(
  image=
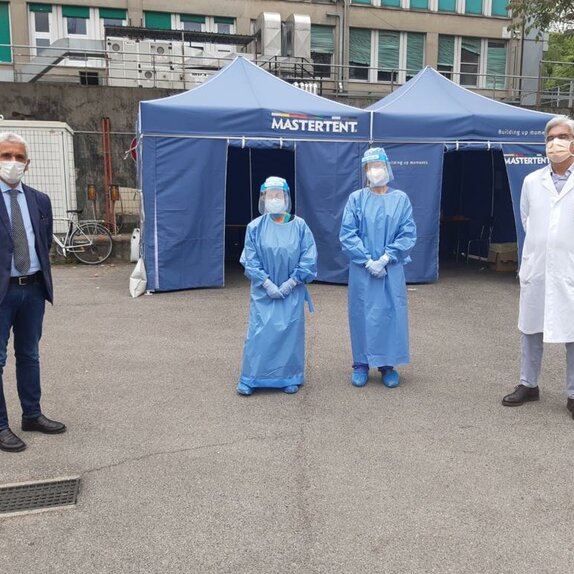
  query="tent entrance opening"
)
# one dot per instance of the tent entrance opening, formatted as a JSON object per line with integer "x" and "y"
{"x": 247, "y": 169}
{"x": 476, "y": 206}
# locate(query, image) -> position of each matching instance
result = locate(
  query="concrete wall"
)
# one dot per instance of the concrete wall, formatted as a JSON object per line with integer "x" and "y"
{"x": 82, "y": 108}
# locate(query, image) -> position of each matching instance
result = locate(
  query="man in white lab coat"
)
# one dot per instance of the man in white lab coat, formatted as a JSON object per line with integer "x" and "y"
{"x": 547, "y": 267}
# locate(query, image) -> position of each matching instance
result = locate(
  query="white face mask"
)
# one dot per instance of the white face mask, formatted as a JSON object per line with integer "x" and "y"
{"x": 274, "y": 205}
{"x": 558, "y": 150}
{"x": 378, "y": 175}
{"x": 12, "y": 171}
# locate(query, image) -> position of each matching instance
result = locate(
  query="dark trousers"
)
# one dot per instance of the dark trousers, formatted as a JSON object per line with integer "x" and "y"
{"x": 22, "y": 311}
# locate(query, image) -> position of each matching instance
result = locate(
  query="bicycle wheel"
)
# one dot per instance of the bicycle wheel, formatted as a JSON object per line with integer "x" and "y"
{"x": 91, "y": 243}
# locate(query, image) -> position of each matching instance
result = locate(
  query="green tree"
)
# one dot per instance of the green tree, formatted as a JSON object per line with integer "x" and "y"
{"x": 559, "y": 60}
{"x": 542, "y": 15}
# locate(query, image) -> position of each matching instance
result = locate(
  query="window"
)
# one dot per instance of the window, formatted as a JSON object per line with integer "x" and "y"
{"x": 474, "y": 62}
{"x": 499, "y": 8}
{"x": 192, "y": 23}
{"x": 157, "y": 20}
{"x": 496, "y": 65}
{"x": 42, "y": 43}
{"x": 41, "y": 21}
{"x": 359, "y": 53}
{"x": 469, "y": 61}
{"x": 397, "y": 56}
{"x": 389, "y": 56}
{"x": 369, "y": 2}
{"x": 5, "y": 51}
{"x": 113, "y": 16}
{"x": 322, "y": 49}
{"x": 224, "y": 25}
{"x": 415, "y": 53}
{"x": 445, "y": 64}
{"x": 419, "y": 4}
{"x": 391, "y": 3}
{"x": 447, "y": 5}
{"x": 473, "y": 6}
{"x": 76, "y": 19}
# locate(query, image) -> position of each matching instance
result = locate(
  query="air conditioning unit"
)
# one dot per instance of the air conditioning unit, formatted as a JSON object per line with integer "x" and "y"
{"x": 268, "y": 27}
{"x": 296, "y": 37}
{"x": 161, "y": 52}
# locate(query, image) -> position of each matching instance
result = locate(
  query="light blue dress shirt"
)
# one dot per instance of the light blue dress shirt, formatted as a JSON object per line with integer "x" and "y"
{"x": 34, "y": 261}
{"x": 560, "y": 180}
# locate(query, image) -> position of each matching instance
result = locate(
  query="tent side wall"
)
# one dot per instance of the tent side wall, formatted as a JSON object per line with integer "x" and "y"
{"x": 326, "y": 174}
{"x": 183, "y": 191}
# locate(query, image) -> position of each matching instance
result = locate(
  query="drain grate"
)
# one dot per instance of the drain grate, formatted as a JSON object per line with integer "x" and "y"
{"x": 30, "y": 496}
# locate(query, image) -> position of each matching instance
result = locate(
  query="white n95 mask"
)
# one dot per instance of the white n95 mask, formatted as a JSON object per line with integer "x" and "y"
{"x": 274, "y": 205}
{"x": 12, "y": 171}
{"x": 378, "y": 175}
{"x": 558, "y": 150}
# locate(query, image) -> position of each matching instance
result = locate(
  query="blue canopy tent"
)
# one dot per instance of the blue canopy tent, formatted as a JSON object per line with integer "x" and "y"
{"x": 188, "y": 166}
{"x": 430, "y": 115}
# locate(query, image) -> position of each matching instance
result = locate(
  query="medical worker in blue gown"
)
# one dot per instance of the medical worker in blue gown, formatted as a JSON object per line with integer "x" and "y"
{"x": 279, "y": 257}
{"x": 378, "y": 233}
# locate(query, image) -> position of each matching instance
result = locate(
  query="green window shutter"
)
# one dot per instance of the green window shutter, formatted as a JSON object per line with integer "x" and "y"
{"x": 419, "y": 4}
{"x": 445, "y": 50}
{"x": 5, "y": 51}
{"x": 360, "y": 46}
{"x": 322, "y": 40}
{"x": 389, "y": 45}
{"x": 75, "y": 12}
{"x": 39, "y": 7}
{"x": 223, "y": 20}
{"x": 391, "y": 3}
{"x": 471, "y": 45}
{"x": 499, "y": 8}
{"x": 447, "y": 5}
{"x": 496, "y": 65}
{"x": 473, "y": 7}
{"x": 192, "y": 18}
{"x": 415, "y": 52}
{"x": 369, "y": 2}
{"x": 114, "y": 13}
{"x": 157, "y": 20}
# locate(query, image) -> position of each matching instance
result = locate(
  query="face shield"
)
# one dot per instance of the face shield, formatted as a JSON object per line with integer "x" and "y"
{"x": 274, "y": 197}
{"x": 377, "y": 170}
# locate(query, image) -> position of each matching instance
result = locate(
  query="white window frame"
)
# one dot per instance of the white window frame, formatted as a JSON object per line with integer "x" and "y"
{"x": 374, "y": 64}
{"x": 482, "y": 62}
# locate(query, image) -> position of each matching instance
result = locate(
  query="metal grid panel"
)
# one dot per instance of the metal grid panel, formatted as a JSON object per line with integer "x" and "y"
{"x": 38, "y": 495}
{"x": 52, "y": 167}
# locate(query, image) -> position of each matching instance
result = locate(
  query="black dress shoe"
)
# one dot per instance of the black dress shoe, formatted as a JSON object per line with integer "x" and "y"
{"x": 10, "y": 442}
{"x": 570, "y": 406}
{"x": 43, "y": 424}
{"x": 521, "y": 395}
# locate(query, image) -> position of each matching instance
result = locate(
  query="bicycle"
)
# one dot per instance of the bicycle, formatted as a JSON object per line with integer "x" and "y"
{"x": 89, "y": 241}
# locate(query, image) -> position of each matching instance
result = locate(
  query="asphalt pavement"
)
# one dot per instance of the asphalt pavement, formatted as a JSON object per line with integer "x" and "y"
{"x": 180, "y": 474}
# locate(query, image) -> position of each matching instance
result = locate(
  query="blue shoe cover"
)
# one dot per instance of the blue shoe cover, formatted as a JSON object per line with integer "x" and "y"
{"x": 291, "y": 389}
{"x": 391, "y": 378}
{"x": 243, "y": 389}
{"x": 360, "y": 378}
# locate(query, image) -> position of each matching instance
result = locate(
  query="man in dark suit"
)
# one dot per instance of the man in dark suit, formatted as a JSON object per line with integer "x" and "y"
{"x": 25, "y": 284}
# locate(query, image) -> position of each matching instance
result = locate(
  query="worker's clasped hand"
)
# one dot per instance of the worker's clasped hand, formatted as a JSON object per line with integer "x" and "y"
{"x": 377, "y": 268}
{"x": 272, "y": 290}
{"x": 287, "y": 286}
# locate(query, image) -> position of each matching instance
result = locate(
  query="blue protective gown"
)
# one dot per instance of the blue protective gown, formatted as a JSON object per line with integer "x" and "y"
{"x": 274, "y": 351}
{"x": 378, "y": 318}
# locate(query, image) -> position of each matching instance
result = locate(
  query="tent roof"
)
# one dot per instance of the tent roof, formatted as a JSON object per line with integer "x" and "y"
{"x": 429, "y": 107}
{"x": 243, "y": 100}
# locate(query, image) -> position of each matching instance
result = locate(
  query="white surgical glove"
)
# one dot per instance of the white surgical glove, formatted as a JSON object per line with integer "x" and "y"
{"x": 287, "y": 286}
{"x": 378, "y": 268}
{"x": 272, "y": 289}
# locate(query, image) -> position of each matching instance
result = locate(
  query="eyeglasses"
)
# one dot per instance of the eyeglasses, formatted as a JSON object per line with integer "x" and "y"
{"x": 559, "y": 137}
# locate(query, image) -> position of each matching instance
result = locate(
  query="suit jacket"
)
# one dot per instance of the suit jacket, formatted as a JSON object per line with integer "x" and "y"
{"x": 40, "y": 208}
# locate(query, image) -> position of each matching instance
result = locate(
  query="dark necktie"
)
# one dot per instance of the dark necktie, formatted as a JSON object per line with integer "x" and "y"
{"x": 21, "y": 252}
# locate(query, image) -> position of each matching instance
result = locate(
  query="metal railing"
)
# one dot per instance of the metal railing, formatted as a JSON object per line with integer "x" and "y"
{"x": 94, "y": 64}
